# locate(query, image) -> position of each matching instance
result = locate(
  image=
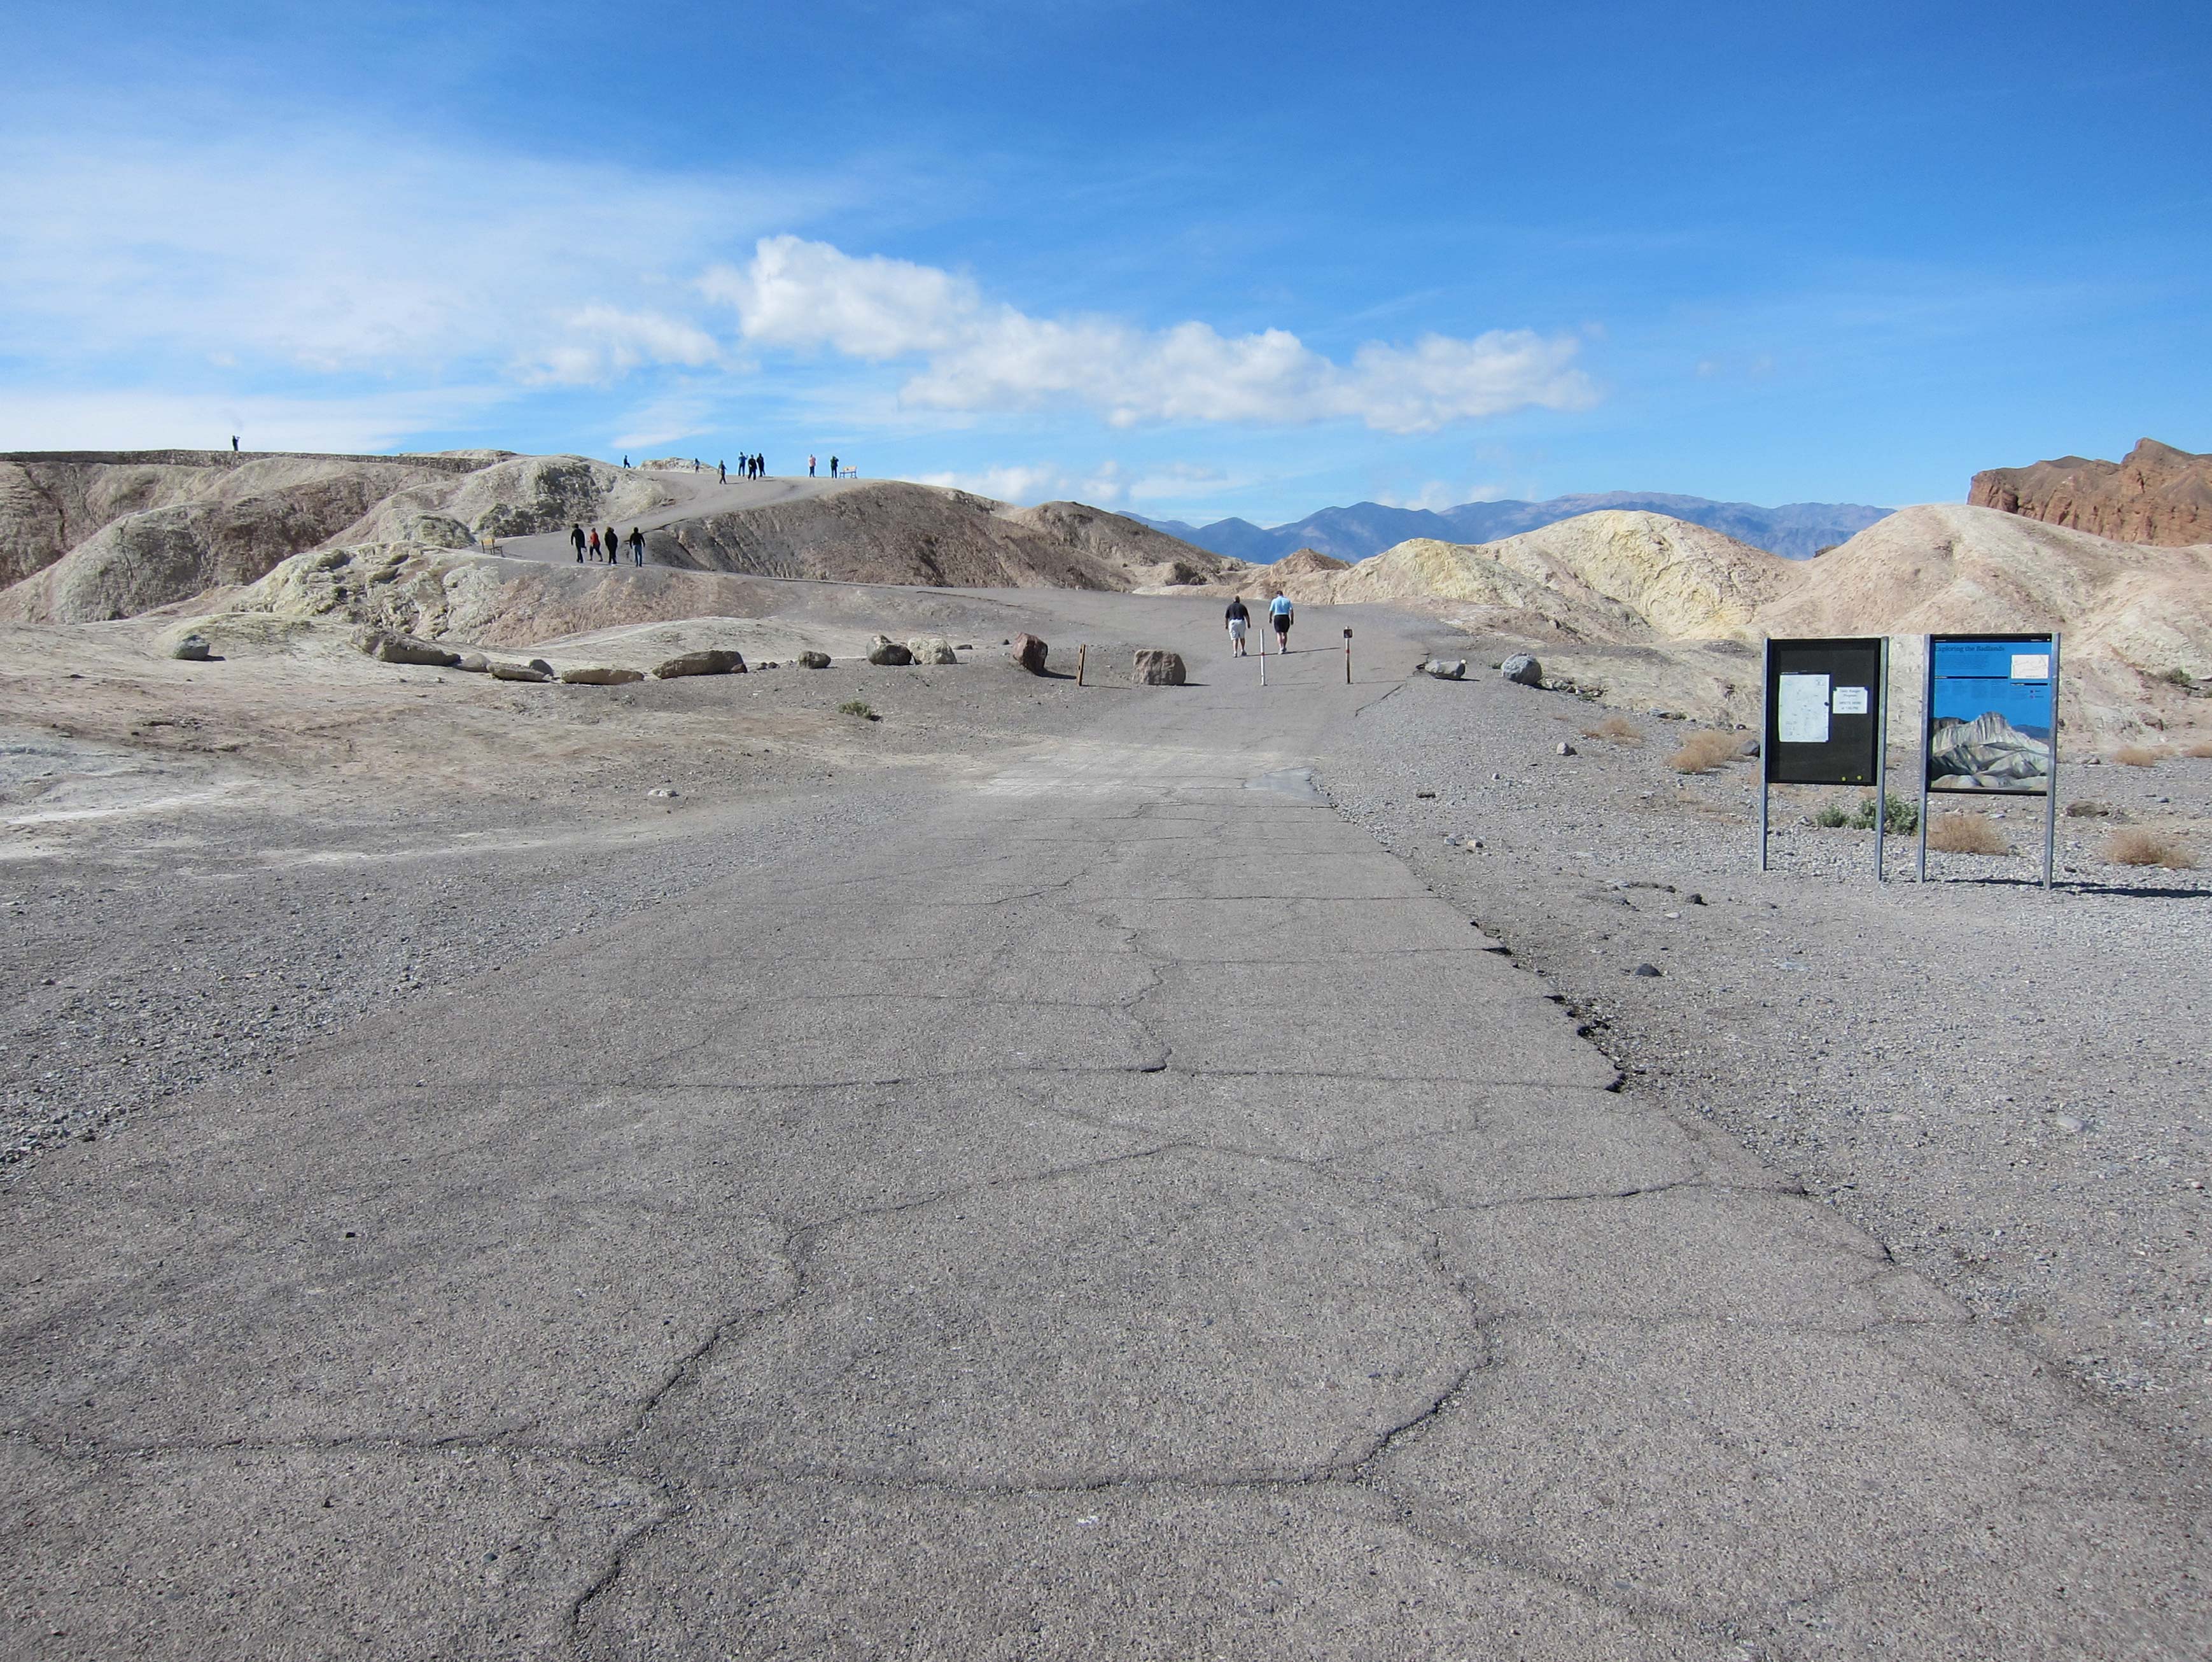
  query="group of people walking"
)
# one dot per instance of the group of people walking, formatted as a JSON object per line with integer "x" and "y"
{"x": 1280, "y": 613}
{"x": 593, "y": 549}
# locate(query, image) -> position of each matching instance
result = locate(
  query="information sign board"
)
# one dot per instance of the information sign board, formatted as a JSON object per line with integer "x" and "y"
{"x": 1823, "y": 712}
{"x": 1992, "y": 713}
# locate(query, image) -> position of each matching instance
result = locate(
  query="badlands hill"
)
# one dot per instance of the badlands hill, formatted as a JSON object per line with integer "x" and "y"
{"x": 1590, "y": 594}
{"x": 2155, "y": 494}
{"x": 85, "y": 538}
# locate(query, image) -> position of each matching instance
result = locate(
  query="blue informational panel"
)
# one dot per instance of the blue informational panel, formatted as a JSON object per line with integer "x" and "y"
{"x": 1992, "y": 713}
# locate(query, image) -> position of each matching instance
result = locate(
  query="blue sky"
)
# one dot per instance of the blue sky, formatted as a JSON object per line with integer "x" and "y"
{"x": 1193, "y": 261}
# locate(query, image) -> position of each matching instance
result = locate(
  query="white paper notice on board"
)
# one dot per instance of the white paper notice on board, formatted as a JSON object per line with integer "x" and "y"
{"x": 1802, "y": 716}
{"x": 2031, "y": 665}
{"x": 1849, "y": 701}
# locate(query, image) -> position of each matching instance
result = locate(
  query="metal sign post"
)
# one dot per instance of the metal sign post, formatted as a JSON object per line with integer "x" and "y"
{"x": 1927, "y": 698}
{"x": 1826, "y": 723}
{"x": 1347, "y": 657}
{"x": 1765, "y": 740}
{"x": 1990, "y": 725}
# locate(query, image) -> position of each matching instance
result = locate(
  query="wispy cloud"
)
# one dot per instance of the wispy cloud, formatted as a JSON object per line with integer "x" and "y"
{"x": 980, "y": 355}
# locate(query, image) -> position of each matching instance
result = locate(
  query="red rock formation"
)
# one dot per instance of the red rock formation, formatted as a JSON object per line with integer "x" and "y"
{"x": 2157, "y": 494}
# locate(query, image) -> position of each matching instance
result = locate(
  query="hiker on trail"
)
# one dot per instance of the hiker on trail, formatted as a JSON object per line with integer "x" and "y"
{"x": 234, "y": 444}
{"x": 636, "y": 546}
{"x": 832, "y": 467}
{"x": 810, "y": 464}
{"x": 721, "y": 473}
{"x": 595, "y": 547}
{"x": 614, "y": 546}
{"x": 576, "y": 536}
{"x": 625, "y": 463}
{"x": 1240, "y": 621}
{"x": 760, "y": 467}
{"x": 1280, "y": 610}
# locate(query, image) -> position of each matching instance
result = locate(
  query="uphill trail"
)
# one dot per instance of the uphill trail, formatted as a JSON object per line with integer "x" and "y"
{"x": 1111, "y": 1208}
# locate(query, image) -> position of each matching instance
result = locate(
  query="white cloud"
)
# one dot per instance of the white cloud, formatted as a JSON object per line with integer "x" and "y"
{"x": 980, "y": 355}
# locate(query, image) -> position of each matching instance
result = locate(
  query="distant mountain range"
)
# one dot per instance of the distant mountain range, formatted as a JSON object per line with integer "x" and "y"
{"x": 1796, "y": 530}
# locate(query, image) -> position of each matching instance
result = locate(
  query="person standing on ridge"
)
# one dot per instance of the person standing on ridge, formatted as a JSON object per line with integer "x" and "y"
{"x": 1281, "y": 612}
{"x": 636, "y": 546}
{"x": 721, "y": 473}
{"x": 234, "y": 444}
{"x": 576, "y": 536}
{"x": 810, "y": 465}
{"x": 832, "y": 467}
{"x": 1240, "y": 621}
{"x": 595, "y": 546}
{"x": 614, "y": 546}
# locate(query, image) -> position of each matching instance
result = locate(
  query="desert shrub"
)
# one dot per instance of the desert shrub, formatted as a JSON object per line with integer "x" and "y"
{"x": 2179, "y": 677}
{"x": 2088, "y": 809}
{"x": 1614, "y": 727}
{"x": 2200, "y": 750}
{"x": 858, "y": 707}
{"x": 1900, "y": 815}
{"x": 2137, "y": 756}
{"x": 2144, "y": 845}
{"x": 1965, "y": 833}
{"x": 1702, "y": 753}
{"x": 1831, "y": 817}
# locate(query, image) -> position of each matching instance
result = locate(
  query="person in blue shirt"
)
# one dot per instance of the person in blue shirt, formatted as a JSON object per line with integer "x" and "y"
{"x": 1281, "y": 612}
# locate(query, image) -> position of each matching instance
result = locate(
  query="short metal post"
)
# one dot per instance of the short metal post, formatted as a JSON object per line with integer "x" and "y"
{"x": 1347, "y": 657}
{"x": 1927, "y": 727}
{"x": 1081, "y": 652}
{"x": 2051, "y": 784}
{"x": 1263, "y": 666}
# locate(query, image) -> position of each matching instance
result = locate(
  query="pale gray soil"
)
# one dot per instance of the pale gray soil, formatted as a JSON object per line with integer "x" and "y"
{"x": 2003, "y": 1085}
{"x": 1053, "y": 1174}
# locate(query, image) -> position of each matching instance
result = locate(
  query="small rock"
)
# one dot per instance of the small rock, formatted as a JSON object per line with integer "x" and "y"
{"x": 1566, "y": 749}
{"x": 1444, "y": 669}
{"x": 390, "y": 648}
{"x": 888, "y": 654}
{"x": 1522, "y": 670}
{"x": 662, "y": 790}
{"x": 1697, "y": 900}
{"x": 600, "y": 675}
{"x": 474, "y": 662}
{"x": 1155, "y": 667}
{"x": 2067, "y": 1124}
{"x": 709, "y": 661}
{"x": 933, "y": 649}
{"x": 1029, "y": 652}
{"x": 536, "y": 670}
{"x": 1425, "y": 795}
{"x": 814, "y": 660}
{"x": 1749, "y": 748}
{"x": 193, "y": 650}
{"x": 1645, "y": 970}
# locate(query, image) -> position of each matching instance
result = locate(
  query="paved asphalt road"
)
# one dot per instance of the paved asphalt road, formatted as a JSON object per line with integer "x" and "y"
{"x": 1109, "y": 1210}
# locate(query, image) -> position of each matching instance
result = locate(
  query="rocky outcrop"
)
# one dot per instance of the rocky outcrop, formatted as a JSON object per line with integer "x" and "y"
{"x": 2156, "y": 495}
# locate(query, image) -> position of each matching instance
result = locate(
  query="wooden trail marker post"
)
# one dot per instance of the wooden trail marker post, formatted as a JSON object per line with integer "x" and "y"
{"x": 1081, "y": 653}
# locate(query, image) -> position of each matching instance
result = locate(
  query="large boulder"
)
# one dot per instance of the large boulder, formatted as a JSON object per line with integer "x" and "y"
{"x": 884, "y": 650}
{"x": 600, "y": 675}
{"x": 1155, "y": 667}
{"x": 709, "y": 660}
{"x": 192, "y": 648}
{"x": 814, "y": 660}
{"x": 1445, "y": 669}
{"x": 474, "y": 662}
{"x": 1523, "y": 670}
{"x": 933, "y": 649}
{"x": 1029, "y": 652}
{"x": 394, "y": 648}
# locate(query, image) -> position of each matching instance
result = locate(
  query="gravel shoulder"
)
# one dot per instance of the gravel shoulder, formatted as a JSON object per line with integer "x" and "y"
{"x": 2003, "y": 1086}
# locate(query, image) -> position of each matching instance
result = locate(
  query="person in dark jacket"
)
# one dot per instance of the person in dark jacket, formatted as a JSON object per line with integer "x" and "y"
{"x": 613, "y": 540}
{"x": 576, "y": 536}
{"x": 1240, "y": 625}
{"x": 636, "y": 546}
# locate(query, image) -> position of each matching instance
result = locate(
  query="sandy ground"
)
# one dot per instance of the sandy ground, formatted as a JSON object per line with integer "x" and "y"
{"x": 231, "y": 884}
